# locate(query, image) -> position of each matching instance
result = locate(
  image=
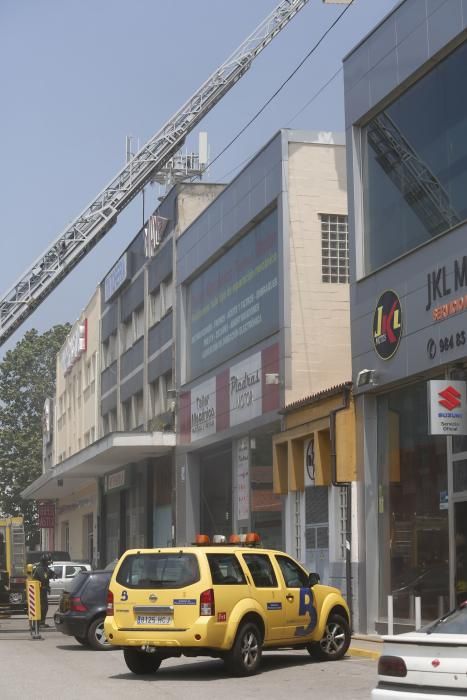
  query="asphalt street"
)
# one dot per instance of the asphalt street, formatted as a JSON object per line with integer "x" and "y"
{"x": 59, "y": 665}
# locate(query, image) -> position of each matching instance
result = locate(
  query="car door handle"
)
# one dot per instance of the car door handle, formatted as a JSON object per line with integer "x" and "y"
{"x": 289, "y": 597}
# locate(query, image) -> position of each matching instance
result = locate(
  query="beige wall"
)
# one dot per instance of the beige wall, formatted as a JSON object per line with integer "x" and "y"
{"x": 76, "y": 407}
{"x": 320, "y": 321}
{"x": 192, "y": 201}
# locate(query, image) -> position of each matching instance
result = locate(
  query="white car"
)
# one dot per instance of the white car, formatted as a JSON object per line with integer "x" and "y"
{"x": 430, "y": 664}
{"x": 64, "y": 571}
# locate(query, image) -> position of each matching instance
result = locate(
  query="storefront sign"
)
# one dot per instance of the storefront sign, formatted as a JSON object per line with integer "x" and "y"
{"x": 117, "y": 276}
{"x": 203, "y": 410}
{"x": 243, "y": 479}
{"x": 46, "y": 513}
{"x": 447, "y": 407}
{"x": 245, "y": 390}
{"x": 235, "y": 395}
{"x": 437, "y": 288}
{"x": 387, "y": 325}
{"x": 115, "y": 481}
{"x": 75, "y": 344}
{"x": 234, "y": 303}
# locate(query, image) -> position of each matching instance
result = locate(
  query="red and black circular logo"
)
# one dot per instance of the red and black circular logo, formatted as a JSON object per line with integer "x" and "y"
{"x": 387, "y": 324}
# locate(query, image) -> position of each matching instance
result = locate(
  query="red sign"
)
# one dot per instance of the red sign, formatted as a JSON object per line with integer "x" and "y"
{"x": 450, "y": 398}
{"x": 46, "y": 515}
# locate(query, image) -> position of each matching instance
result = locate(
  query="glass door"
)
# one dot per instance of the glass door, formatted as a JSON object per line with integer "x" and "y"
{"x": 460, "y": 552}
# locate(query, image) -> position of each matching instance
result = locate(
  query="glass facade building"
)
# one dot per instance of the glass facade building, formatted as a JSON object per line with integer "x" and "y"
{"x": 406, "y": 122}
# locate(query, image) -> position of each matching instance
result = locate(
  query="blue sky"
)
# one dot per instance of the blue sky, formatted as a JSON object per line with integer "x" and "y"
{"x": 78, "y": 76}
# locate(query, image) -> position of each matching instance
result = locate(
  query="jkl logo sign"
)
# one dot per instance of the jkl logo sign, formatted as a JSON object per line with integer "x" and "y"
{"x": 387, "y": 325}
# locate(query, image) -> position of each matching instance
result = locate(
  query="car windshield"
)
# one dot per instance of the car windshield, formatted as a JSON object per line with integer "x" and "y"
{"x": 158, "y": 570}
{"x": 455, "y": 622}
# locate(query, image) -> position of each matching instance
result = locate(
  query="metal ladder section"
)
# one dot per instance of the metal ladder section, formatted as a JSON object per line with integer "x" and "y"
{"x": 418, "y": 185}
{"x": 79, "y": 237}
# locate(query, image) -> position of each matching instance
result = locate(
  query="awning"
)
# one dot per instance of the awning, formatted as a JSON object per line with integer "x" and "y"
{"x": 105, "y": 455}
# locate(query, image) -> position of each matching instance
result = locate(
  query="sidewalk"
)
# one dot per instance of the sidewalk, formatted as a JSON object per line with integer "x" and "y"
{"x": 366, "y": 646}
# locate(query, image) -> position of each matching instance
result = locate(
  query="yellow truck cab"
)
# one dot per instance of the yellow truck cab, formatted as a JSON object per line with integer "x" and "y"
{"x": 228, "y": 601}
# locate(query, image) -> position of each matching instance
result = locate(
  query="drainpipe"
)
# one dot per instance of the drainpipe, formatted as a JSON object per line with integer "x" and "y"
{"x": 348, "y": 486}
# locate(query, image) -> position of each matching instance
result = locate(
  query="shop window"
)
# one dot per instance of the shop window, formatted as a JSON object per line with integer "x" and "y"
{"x": 334, "y": 248}
{"x": 413, "y": 517}
{"x": 266, "y": 506}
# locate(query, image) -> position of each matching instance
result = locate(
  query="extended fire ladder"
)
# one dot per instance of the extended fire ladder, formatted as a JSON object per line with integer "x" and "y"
{"x": 412, "y": 176}
{"x": 92, "y": 224}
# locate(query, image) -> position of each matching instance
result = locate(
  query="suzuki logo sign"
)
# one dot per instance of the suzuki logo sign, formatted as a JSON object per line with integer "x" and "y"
{"x": 447, "y": 407}
{"x": 450, "y": 398}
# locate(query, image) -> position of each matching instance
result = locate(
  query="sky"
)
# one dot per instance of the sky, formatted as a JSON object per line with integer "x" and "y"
{"x": 79, "y": 76}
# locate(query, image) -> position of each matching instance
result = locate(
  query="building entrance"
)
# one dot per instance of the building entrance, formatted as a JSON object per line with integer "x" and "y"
{"x": 216, "y": 492}
{"x": 460, "y": 552}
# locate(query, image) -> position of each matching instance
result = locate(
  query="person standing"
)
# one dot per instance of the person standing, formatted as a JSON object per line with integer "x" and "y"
{"x": 43, "y": 573}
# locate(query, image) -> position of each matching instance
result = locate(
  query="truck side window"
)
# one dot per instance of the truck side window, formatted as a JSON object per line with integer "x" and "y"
{"x": 294, "y": 576}
{"x": 225, "y": 569}
{"x": 260, "y": 568}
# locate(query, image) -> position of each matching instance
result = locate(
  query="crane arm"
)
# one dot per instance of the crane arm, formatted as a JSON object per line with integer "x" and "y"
{"x": 80, "y": 236}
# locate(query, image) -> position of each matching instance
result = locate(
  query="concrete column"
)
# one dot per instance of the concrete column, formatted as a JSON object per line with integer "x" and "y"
{"x": 188, "y": 497}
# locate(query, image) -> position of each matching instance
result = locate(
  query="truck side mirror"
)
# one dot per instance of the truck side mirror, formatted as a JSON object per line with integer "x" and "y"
{"x": 313, "y": 579}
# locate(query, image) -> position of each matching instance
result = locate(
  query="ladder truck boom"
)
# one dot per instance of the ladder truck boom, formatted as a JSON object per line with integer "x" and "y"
{"x": 79, "y": 237}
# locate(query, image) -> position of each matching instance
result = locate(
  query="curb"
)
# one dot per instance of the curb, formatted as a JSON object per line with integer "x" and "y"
{"x": 364, "y": 653}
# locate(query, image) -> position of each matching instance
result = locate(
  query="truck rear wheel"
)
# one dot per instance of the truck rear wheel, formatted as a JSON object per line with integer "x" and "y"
{"x": 245, "y": 656}
{"x": 140, "y": 662}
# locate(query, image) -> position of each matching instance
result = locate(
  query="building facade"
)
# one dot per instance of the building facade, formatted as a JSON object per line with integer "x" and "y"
{"x": 71, "y": 422}
{"x": 230, "y": 304}
{"x": 262, "y": 293}
{"x": 406, "y": 122}
{"x": 315, "y": 468}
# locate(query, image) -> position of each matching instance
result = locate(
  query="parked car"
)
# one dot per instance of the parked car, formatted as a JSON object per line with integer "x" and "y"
{"x": 429, "y": 664}
{"x": 82, "y": 609}
{"x": 35, "y": 556}
{"x": 64, "y": 572}
{"x": 223, "y": 600}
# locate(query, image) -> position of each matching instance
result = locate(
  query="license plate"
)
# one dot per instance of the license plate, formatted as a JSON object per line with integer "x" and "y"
{"x": 153, "y": 620}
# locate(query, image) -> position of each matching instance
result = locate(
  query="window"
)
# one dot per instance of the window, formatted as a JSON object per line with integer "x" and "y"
{"x": 158, "y": 571}
{"x": 126, "y": 415}
{"x": 161, "y": 301}
{"x": 334, "y": 248}
{"x": 139, "y": 409}
{"x": 133, "y": 412}
{"x": 66, "y": 536}
{"x": 138, "y": 321}
{"x": 132, "y": 328}
{"x": 294, "y": 576}
{"x": 126, "y": 334}
{"x": 154, "y": 308}
{"x": 109, "y": 350}
{"x": 109, "y": 424}
{"x": 225, "y": 569}
{"x": 261, "y": 570}
{"x": 414, "y": 165}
